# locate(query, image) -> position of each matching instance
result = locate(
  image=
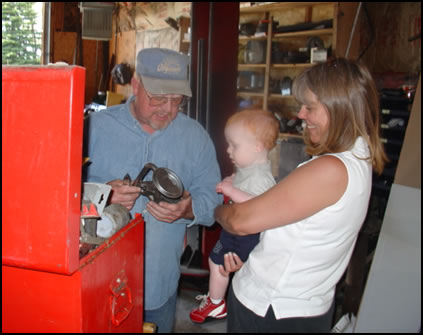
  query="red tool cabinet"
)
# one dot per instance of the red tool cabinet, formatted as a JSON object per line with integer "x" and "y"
{"x": 46, "y": 287}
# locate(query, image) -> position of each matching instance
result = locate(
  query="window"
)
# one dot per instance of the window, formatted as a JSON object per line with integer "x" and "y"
{"x": 21, "y": 33}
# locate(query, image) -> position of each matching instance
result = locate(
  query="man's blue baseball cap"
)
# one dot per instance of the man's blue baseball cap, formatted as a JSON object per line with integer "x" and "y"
{"x": 164, "y": 71}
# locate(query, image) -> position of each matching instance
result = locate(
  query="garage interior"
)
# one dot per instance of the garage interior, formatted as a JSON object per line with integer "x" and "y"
{"x": 381, "y": 288}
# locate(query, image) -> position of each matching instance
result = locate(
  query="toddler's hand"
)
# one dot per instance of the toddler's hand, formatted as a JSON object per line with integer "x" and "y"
{"x": 224, "y": 186}
{"x": 219, "y": 188}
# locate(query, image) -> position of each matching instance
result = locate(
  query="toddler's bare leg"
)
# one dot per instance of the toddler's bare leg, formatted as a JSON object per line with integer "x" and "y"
{"x": 217, "y": 283}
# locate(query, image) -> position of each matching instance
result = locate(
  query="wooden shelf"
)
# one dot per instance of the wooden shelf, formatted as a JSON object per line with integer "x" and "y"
{"x": 285, "y": 136}
{"x": 279, "y": 6}
{"x": 251, "y": 38}
{"x": 300, "y": 65}
{"x": 250, "y": 94}
{"x": 280, "y": 96}
{"x": 314, "y": 32}
{"x": 306, "y": 33}
{"x": 251, "y": 66}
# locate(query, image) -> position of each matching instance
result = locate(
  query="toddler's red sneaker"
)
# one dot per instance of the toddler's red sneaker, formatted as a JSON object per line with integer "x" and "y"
{"x": 208, "y": 310}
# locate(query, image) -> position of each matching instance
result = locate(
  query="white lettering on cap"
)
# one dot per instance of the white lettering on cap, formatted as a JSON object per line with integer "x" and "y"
{"x": 169, "y": 66}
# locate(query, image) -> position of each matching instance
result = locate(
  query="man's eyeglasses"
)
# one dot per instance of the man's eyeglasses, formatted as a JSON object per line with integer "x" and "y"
{"x": 158, "y": 100}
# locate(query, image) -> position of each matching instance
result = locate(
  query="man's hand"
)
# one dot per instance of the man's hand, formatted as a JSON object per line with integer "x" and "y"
{"x": 167, "y": 212}
{"x": 125, "y": 195}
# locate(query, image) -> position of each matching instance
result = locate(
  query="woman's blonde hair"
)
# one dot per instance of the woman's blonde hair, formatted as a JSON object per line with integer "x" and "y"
{"x": 347, "y": 91}
{"x": 262, "y": 124}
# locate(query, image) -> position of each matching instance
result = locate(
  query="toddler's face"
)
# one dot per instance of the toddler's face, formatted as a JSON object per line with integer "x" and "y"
{"x": 243, "y": 148}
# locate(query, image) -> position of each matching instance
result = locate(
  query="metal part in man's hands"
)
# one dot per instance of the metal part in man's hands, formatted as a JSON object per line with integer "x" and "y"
{"x": 165, "y": 185}
{"x": 127, "y": 180}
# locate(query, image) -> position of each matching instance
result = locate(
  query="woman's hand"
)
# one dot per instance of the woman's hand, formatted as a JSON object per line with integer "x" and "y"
{"x": 232, "y": 263}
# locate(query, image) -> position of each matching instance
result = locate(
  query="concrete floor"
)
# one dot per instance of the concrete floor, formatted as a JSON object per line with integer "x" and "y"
{"x": 189, "y": 288}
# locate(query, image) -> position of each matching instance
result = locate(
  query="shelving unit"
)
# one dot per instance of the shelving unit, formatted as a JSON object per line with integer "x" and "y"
{"x": 286, "y": 13}
{"x": 289, "y": 151}
{"x": 394, "y": 115}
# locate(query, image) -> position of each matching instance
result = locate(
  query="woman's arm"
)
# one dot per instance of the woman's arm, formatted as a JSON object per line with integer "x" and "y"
{"x": 305, "y": 191}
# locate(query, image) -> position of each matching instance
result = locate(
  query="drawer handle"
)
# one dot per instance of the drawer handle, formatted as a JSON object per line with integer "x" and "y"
{"x": 121, "y": 299}
{"x": 121, "y": 306}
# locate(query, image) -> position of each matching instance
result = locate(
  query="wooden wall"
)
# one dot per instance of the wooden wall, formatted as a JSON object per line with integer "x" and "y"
{"x": 140, "y": 25}
{"x": 66, "y": 45}
{"x": 393, "y": 24}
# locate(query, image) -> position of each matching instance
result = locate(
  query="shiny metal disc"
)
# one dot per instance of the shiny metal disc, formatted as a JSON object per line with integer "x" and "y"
{"x": 168, "y": 183}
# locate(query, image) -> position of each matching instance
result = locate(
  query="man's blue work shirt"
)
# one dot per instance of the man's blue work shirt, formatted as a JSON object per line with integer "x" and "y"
{"x": 117, "y": 144}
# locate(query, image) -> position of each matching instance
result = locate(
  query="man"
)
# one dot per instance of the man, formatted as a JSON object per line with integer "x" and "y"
{"x": 148, "y": 128}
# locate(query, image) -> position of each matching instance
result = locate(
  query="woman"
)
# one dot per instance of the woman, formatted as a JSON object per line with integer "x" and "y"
{"x": 311, "y": 219}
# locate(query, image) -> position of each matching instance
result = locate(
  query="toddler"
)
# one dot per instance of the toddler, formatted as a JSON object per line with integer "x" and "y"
{"x": 250, "y": 135}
